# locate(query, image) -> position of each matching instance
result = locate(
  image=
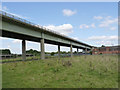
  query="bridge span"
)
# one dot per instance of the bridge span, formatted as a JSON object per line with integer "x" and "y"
{"x": 17, "y": 28}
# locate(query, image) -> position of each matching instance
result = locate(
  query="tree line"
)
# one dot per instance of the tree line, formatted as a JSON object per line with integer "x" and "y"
{"x": 5, "y": 51}
{"x": 32, "y": 52}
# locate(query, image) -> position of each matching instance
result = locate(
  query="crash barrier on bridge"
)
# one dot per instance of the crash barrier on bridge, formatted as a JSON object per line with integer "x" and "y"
{"x": 11, "y": 15}
{"x": 44, "y": 36}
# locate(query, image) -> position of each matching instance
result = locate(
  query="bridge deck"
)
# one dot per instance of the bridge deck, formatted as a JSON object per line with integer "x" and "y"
{"x": 15, "y": 27}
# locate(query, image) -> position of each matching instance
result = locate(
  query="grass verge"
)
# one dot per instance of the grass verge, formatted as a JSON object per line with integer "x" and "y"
{"x": 90, "y": 71}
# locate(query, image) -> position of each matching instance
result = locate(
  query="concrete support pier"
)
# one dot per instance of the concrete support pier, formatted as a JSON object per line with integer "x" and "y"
{"x": 86, "y": 50}
{"x": 58, "y": 51}
{"x": 42, "y": 49}
{"x": 77, "y": 50}
{"x": 92, "y": 49}
{"x": 71, "y": 53}
{"x": 23, "y": 50}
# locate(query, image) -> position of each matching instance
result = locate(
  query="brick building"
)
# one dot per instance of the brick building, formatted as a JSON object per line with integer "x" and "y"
{"x": 107, "y": 50}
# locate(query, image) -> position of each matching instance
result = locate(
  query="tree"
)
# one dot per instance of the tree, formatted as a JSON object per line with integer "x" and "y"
{"x": 103, "y": 46}
{"x": 5, "y": 51}
{"x": 52, "y": 53}
{"x": 33, "y": 52}
{"x": 75, "y": 52}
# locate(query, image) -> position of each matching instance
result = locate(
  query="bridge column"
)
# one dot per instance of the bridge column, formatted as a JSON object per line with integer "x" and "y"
{"x": 92, "y": 50}
{"x": 23, "y": 50}
{"x": 59, "y": 51}
{"x": 77, "y": 50}
{"x": 42, "y": 49}
{"x": 71, "y": 50}
{"x": 86, "y": 50}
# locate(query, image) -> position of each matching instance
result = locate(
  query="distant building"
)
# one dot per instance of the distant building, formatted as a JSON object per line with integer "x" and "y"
{"x": 107, "y": 50}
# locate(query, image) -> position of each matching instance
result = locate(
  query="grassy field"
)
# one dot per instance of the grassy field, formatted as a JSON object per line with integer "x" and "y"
{"x": 97, "y": 71}
{"x": 20, "y": 59}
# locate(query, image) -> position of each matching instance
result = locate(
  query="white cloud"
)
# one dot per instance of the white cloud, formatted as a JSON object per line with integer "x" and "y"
{"x": 32, "y": 45}
{"x": 51, "y": 48}
{"x": 65, "y": 29}
{"x": 76, "y": 38}
{"x": 4, "y": 8}
{"x": 93, "y": 25}
{"x": 104, "y": 40}
{"x": 9, "y": 46}
{"x": 3, "y": 38}
{"x": 0, "y": 6}
{"x": 83, "y": 26}
{"x": 68, "y": 12}
{"x": 16, "y": 41}
{"x": 103, "y": 37}
{"x": 104, "y": 43}
{"x": 108, "y": 21}
{"x": 113, "y": 28}
{"x": 20, "y": 41}
{"x": 98, "y": 17}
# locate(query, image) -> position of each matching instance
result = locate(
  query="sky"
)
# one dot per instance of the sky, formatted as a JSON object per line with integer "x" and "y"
{"x": 94, "y": 23}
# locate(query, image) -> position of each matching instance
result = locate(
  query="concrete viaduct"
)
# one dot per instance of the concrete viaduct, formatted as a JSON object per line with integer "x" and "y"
{"x": 15, "y": 27}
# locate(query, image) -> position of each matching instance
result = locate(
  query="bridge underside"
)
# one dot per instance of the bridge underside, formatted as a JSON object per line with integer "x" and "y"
{"x": 18, "y": 29}
{"x": 34, "y": 39}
